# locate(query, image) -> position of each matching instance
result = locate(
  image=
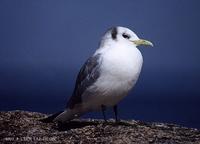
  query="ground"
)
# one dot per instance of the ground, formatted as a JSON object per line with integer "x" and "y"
{"x": 26, "y": 127}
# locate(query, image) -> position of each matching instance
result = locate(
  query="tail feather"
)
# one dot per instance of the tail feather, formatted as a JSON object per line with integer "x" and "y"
{"x": 50, "y": 118}
{"x": 66, "y": 115}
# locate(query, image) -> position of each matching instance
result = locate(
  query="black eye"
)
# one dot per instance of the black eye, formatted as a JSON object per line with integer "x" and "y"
{"x": 125, "y": 36}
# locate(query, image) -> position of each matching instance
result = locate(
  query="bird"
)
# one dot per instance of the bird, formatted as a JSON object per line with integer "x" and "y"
{"x": 107, "y": 76}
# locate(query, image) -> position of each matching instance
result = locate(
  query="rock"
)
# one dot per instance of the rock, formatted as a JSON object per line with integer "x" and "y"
{"x": 26, "y": 127}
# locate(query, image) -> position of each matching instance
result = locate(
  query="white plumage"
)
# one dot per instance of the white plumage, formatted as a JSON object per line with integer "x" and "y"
{"x": 120, "y": 68}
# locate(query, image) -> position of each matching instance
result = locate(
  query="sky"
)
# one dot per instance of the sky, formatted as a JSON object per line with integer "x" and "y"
{"x": 43, "y": 44}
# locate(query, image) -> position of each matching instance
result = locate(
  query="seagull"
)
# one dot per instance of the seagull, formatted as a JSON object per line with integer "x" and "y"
{"x": 107, "y": 76}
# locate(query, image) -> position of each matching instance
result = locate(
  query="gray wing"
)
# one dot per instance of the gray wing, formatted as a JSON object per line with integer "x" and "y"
{"x": 88, "y": 74}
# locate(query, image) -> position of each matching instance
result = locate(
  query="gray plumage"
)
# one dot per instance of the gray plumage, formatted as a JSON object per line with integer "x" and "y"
{"x": 88, "y": 74}
{"x": 114, "y": 33}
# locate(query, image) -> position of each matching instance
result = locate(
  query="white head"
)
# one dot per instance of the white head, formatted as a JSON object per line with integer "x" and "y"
{"x": 122, "y": 34}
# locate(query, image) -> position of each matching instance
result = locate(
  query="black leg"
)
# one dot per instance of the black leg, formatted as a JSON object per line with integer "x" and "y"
{"x": 116, "y": 113}
{"x": 103, "y": 108}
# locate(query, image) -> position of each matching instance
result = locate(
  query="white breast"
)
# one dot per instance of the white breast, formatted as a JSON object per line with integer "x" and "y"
{"x": 120, "y": 70}
{"x": 122, "y": 62}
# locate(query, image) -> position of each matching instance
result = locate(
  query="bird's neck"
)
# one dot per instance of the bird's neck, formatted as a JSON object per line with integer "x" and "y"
{"x": 107, "y": 45}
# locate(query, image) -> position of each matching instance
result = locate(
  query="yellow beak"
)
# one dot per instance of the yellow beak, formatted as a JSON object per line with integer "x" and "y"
{"x": 142, "y": 42}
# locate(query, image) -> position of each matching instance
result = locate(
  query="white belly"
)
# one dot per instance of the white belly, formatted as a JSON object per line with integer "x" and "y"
{"x": 119, "y": 72}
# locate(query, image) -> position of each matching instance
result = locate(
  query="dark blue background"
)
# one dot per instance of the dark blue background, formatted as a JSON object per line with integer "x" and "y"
{"x": 43, "y": 43}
